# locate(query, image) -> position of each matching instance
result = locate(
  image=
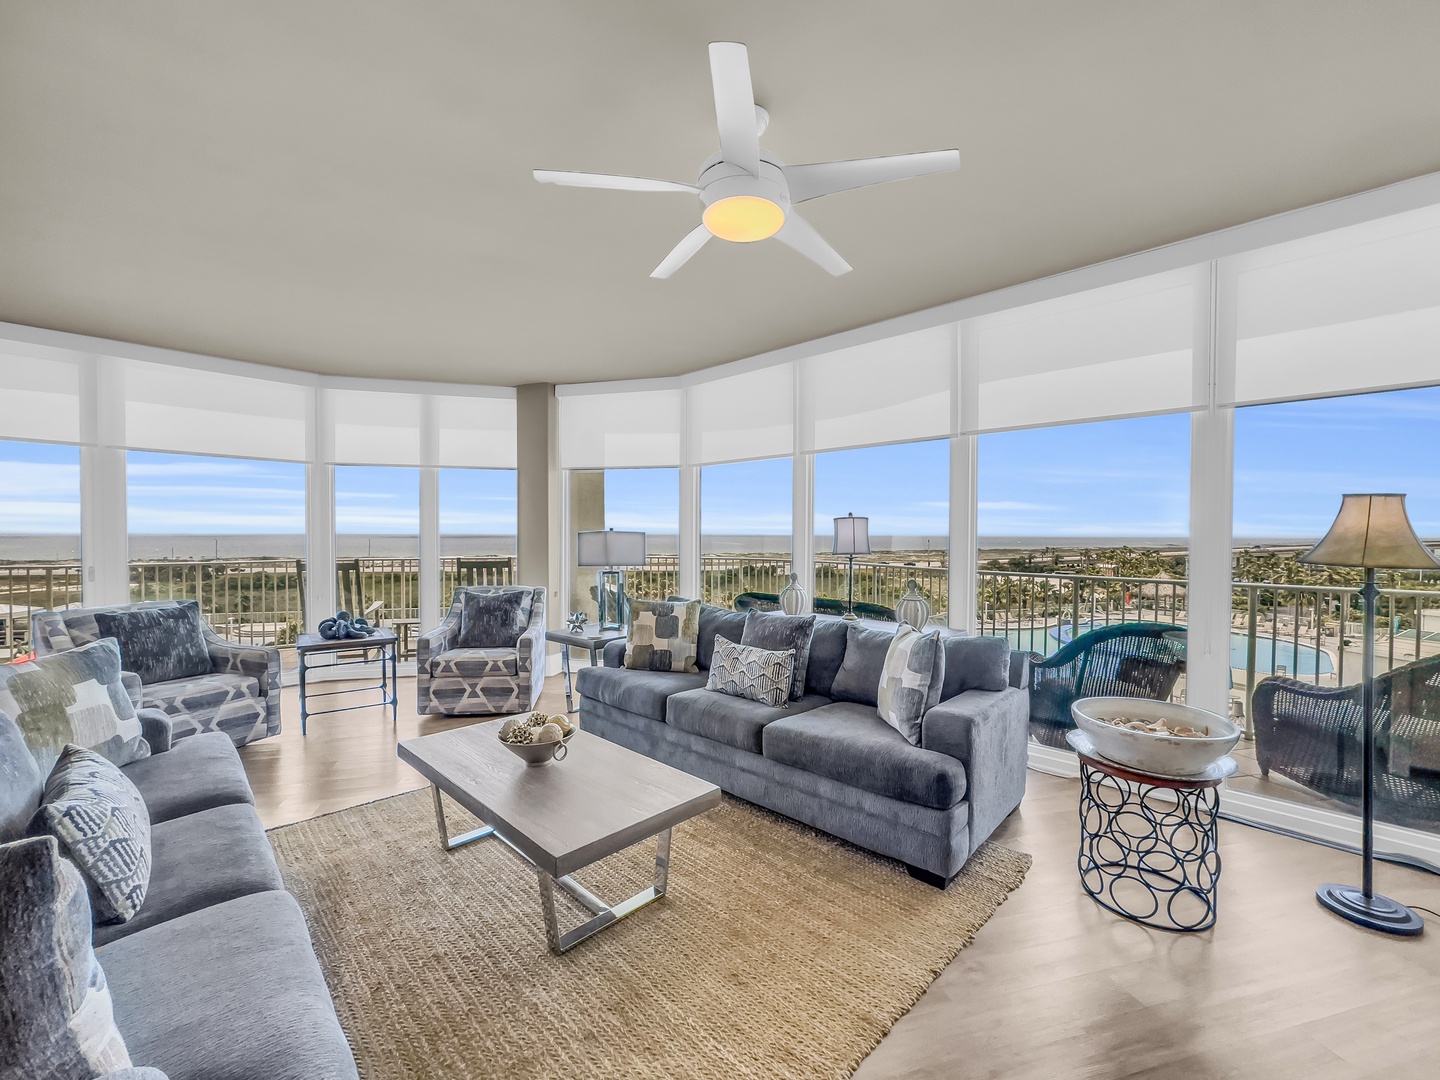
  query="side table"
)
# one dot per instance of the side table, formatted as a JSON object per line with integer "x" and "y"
{"x": 1148, "y": 844}
{"x": 379, "y": 645}
{"x": 592, "y": 642}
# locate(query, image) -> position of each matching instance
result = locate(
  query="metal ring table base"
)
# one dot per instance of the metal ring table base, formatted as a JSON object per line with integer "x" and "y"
{"x": 603, "y": 914}
{"x": 1149, "y": 854}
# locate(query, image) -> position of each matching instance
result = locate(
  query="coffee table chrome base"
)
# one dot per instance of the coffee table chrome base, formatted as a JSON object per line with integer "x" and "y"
{"x": 604, "y": 914}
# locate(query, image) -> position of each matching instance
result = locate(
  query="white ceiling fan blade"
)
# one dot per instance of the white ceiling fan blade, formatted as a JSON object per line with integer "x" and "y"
{"x": 801, "y": 235}
{"x": 693, "y": 242}
{"x": 828, "y": 177}
{"x": 735, "y": 105}
{"x": 613, "y": 183}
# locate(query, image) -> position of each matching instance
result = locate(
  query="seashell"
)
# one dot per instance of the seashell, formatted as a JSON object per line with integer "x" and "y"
{"x": 548, "y": 733}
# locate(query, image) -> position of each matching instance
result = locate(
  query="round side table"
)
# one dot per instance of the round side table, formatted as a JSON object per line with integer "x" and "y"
{"x": 1148, "y": 843}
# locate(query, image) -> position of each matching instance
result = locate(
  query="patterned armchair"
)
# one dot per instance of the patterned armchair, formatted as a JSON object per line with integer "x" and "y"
{"x": 1311, "y": 735}
{"x": 1132, "y": 659}
{"x": 240, "y": 695}
{"x": 459, "y": 681}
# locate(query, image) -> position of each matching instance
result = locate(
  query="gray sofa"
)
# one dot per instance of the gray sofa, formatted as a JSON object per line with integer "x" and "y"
{"x": 835, "y": 764}
{"x": 457, "y": 681}
{"x": 239, "y": 695}
{"x": 215, "y": 977}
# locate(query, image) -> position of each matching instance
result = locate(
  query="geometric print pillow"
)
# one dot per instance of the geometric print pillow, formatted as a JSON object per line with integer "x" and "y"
{"x": 97, "y": 814}
{"x": 73, "y": 697}
{"x": 905, "y": 680}
{"x": 746, "y": 671}
{"x": 664, "y": 635}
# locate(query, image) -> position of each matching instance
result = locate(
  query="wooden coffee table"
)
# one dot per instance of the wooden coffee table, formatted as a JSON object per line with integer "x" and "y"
{"x": 560, "y": 817}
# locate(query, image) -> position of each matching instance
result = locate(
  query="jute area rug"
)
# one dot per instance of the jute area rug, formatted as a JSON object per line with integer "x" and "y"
{"x": 777, "y": 951}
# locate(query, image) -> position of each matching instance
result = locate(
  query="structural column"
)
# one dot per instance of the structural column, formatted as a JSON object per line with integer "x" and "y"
{"x": 964, "y": 559}
{"x": 104, "y": 528}
{"x": 802, "y": 521}
{"x": 689, "y": 537}
{"x": 539, "y": 499}
{"x": 1207, "y": 651}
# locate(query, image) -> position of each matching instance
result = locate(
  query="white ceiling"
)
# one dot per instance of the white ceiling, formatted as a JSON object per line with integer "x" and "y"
{"x": 344, "y": 186}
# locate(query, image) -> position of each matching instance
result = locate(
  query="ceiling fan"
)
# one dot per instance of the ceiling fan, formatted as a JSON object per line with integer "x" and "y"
{"x": 747, "y": 193}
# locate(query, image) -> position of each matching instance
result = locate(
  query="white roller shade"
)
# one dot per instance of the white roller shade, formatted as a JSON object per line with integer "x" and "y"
{"x": 373, "y": 427}
{"x": 1121, "y": 350}
{"x": 627, "y": 429}
{"x": 189, "y": 411}
{"x": 1348, "y": 311}
{"x": 896, "y": 390}
{"x": 475, "y": 432}
{"x": 41, "y": 398}
{"x": 742, "y": 417}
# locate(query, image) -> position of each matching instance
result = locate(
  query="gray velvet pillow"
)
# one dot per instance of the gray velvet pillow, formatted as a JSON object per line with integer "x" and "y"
{"x": 774, "y": 631}
{"x": 858, "y": 679}
{"x": 975, "y": 663}
{"x": 493, "y": 619}
{"x": 827, "y": 653}
{"x": 97, "y": 814}
{"x": 56, "y": 1015}
{"x": 714, "y": 620}
{"x": 158, "y": 643}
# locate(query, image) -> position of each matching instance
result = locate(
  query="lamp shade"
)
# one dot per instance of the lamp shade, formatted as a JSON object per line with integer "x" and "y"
{"x": 852, "y": 535}
{"x": 1372, "y": 531}
{"x": 607, "y": 547}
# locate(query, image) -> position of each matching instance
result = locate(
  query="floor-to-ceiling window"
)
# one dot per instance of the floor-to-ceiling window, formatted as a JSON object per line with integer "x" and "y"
{"x": 628, "y": 500}
{"x": 477, "y": 528}
{"x": 39, "y": 536}
{"x": 377, "y": 545}
{"x": 228, "y": 532}
{"x": 1293, "y": 461}
{"x": 904, "y": 492}
{"x": 745, "y": 515}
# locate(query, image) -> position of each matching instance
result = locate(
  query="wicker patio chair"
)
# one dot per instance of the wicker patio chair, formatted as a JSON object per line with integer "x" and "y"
{"x": 1131, "y": 659}
{"x": 1311, "y": 735}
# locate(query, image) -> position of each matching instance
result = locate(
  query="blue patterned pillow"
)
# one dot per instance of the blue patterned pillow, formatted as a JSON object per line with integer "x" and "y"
{"x": 494, "y": 619}
{"x": 160, "y": 644}
{"x": 755, "y": 674}
{"x": 101, "y": 821}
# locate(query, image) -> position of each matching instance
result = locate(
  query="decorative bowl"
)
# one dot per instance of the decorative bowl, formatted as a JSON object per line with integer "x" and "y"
{"x": 1174, "y": 756}
{"x": 544, "y": 753}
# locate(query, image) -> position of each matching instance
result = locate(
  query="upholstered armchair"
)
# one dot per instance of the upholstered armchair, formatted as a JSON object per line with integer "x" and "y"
{"x": 226, "y": 686}
{"x": 487, "y": 657}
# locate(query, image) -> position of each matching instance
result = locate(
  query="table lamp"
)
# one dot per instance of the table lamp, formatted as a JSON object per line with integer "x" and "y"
{"x": 852, "y": 537}
{"x": 1374, "y": 532}
{"x": 609, "y": 550}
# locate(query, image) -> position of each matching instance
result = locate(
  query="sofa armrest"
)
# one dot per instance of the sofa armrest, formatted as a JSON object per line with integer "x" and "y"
{"x": 614, "y": 653}
{"x": 135, "y": 1072}
{"x": 1020, "y": 668}
{"x": 530, "y": 645}
{"x": 988, "y": 731}
{"x": 442, "y": 639}
{"x": 157, "y": 728}
{"x": 259, "y": 662}
{"x": 134, "y": 688}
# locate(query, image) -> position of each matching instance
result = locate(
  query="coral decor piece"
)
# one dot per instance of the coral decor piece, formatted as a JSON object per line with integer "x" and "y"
{"x": 343, "y": 626}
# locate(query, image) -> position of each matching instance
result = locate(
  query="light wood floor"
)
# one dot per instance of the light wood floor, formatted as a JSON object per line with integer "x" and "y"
{"x": 1053, "y": 986}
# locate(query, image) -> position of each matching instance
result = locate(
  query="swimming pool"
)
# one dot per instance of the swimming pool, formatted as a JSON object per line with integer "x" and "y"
{"x": 1303, "y": 660}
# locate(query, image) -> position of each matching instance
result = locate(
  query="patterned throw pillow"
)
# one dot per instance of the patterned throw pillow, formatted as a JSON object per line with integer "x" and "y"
{"x": 493, "y": 618}
{"x": 776, "y": 631}
{"x": 748, "y": 672}
{"x": 73, "y": 697}
{"x": 905, "y": 680}
{"x": 101, "y": 821}
{"x": 56, "y": 1015}
{"x": 664, "y": 635}
{"x": 160, "y": 644}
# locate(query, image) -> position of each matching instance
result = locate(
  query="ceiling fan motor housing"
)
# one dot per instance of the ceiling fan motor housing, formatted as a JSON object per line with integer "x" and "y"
{"x": 721, "y": 180}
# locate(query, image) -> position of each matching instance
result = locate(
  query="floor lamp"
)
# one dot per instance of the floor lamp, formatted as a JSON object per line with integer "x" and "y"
{"x": 608, "y": 549}
{"x": 1374, "y": 532}
{"x": 852, "y": 537}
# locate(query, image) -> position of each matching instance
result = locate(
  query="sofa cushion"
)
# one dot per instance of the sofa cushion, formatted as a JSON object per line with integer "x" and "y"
{"x": 199, "y": 773}
{"x": 158, "y": 644}
{"x": 848, "y": 742}
{"x": 733, "y": 721}
{"x": 73, "y": 697}
{"x": 494, "y": 618}
{"x": 98, "y": 816}
{"x": 858, "y": 679}
{"x": 777, "y": 632}
{"x": 56, "y": 1017}
{"x": 220, "y": 701}
{"x": 975, "y": 663}
{"x": 201, "y": 860}
{"x": 475, "y": 663}
{"x": 642, "y": 692}
{"x": 229, "y": 992}
{"x": 664, "y": 635}
{"x": 827, "y": 653}
{"x": 752, "y": 673}
{"x": 906, "y": 681}
{"x": 20, "y": 782}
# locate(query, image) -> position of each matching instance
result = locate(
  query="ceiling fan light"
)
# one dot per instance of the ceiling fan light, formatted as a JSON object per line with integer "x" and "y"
{"x": 743, "y": 219}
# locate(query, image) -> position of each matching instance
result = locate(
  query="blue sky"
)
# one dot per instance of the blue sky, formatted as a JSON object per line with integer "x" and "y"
{"x": 1117, "y": 478}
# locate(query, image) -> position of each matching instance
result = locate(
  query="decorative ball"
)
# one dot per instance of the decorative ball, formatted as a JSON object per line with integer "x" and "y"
{"x": 548, "y": 733}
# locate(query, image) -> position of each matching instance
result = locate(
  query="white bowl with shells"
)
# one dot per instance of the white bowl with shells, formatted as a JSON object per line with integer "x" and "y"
{"x": 1164, "y": 738}
{"x": 538, "y": 739}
